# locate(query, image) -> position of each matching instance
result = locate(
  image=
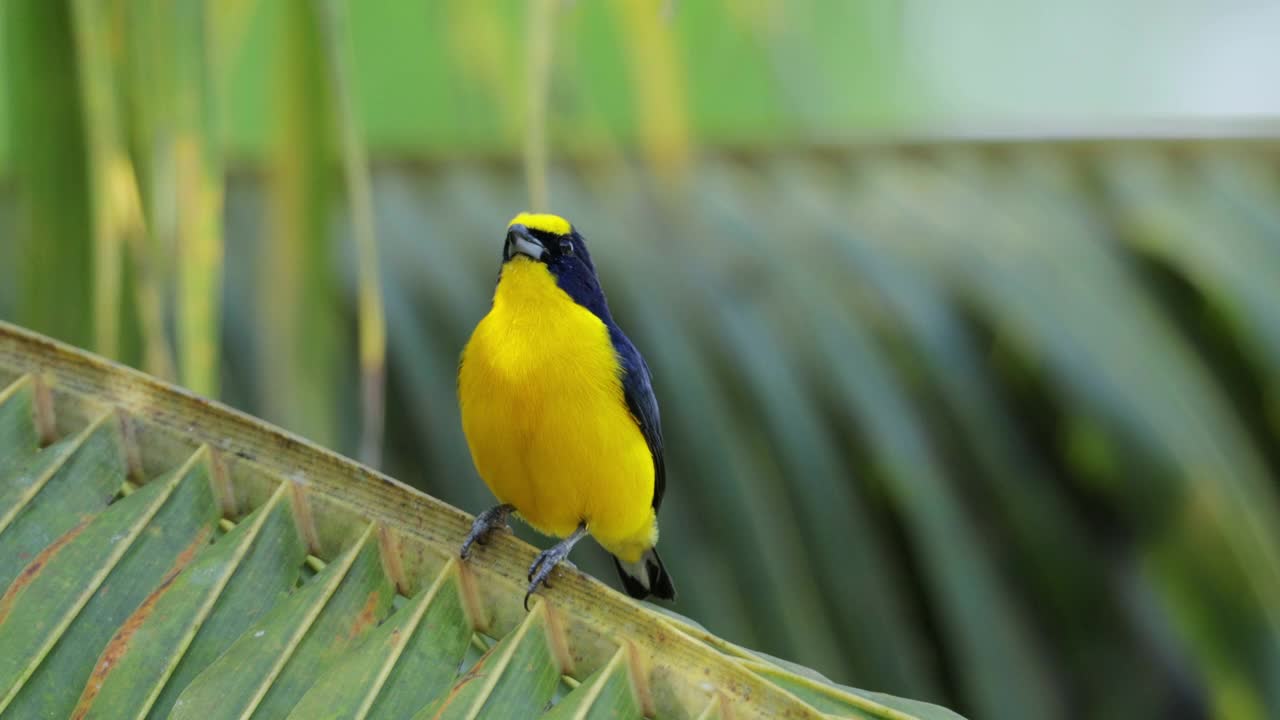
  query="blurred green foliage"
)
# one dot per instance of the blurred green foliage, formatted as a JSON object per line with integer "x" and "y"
{"x": 989, "y": 424}
{"x": 444, "y": 78}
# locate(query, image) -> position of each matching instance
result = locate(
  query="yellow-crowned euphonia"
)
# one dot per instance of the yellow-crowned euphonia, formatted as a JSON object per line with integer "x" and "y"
{"x": 559, "y": 411}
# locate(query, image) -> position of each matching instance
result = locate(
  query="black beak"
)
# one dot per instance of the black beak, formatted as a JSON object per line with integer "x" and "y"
{"x": 522, "y": 242}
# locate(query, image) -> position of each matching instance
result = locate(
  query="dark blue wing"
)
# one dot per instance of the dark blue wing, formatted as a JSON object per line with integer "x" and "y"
{"x": 576, "y": 275}
{"x": 637, "y": 388}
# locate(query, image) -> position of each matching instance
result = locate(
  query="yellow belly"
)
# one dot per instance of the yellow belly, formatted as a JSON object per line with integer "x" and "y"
{"x": 544, "y": 415}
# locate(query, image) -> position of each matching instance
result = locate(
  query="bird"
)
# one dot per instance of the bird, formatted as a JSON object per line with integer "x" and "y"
{"x": 559, "y": 412}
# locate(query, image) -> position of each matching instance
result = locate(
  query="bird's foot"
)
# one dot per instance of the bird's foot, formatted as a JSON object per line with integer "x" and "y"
{"x": 484, "y": 525}
{"x": 547, "y": 561}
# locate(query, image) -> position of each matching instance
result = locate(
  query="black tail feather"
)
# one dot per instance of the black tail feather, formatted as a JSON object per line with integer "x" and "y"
{"x": 647, "y": 577}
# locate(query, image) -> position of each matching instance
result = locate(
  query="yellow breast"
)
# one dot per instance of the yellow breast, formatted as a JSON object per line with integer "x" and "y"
{"x": 544, "y": 415}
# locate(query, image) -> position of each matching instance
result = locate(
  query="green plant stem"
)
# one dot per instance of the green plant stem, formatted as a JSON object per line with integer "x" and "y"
{"x": 355, "y": 163}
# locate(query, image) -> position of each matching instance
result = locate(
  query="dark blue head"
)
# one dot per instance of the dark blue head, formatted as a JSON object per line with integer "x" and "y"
{"x": 551, "y": 240}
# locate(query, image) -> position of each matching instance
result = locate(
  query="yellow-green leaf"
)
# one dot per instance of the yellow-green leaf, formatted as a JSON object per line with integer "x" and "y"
{"x": 416, "y": 652}
{"x": 126, "y": 610}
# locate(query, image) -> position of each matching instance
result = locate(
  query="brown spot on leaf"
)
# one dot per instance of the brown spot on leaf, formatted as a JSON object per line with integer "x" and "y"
{"x": 120, "y": 641}
{"x": 367, "y": 617}
{"x": 475, "y": 673}
{"x": 33, "y": 568}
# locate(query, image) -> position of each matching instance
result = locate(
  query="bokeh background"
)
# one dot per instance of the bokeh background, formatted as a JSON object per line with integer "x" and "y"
{"x": 964, "y": 321}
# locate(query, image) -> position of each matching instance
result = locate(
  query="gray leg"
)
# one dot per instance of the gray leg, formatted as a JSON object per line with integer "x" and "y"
{"x": 548, "y": 559}
{"x": 485, "y": 523}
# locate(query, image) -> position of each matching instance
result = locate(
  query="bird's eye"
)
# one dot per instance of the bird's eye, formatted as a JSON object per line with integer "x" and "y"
{"x": 566, "y": 247}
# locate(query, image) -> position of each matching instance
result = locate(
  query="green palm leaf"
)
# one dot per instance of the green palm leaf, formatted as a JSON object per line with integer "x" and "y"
{"x": 187, "y": 591}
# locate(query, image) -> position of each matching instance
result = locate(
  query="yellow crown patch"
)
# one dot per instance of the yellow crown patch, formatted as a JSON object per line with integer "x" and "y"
{"x": 545, "y": 222}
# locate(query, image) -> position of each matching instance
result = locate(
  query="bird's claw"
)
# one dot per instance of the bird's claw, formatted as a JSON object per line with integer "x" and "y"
{"x": 548, "y": 559}
{"x": 540, "y": 570}
{"x": 543, "y": 565}
{"x": 483, "y": 526}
